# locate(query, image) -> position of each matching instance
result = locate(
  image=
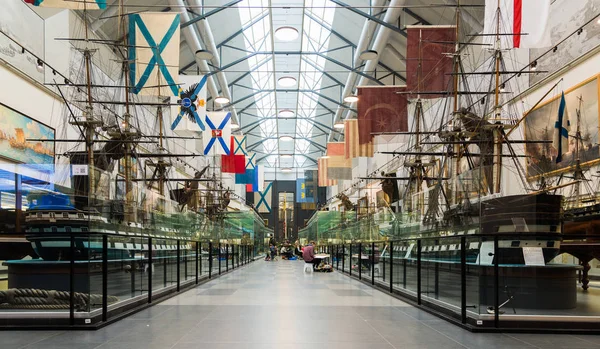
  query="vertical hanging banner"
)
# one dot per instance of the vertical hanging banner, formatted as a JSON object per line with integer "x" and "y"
{"x": 523, "y": 23}
{"x": 238, "y": 145}
{"x": 235, "y": 163}
{"x": 255, "y": 179}
{"x": 324, "y": 180}
{"x": 352, "y": 146}
{"x": 70, "y": 4}
{"x": 303, "y": 194}
{"x": 216, "y": 138}
{"x": 154, "y": 53}
{"x": 429, "y": 61}
{"x": 188, "y": 114}
{"x": 248, "y": 176}
{"x": 338, "y": 166}
{"x": 310, "y": 180}
{"x": 381, "y": 109}
{"x": 263, "y": 199}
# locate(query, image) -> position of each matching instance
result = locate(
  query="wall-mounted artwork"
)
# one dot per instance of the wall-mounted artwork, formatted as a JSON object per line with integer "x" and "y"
{"x": 540, "y": 126}
{"x": 23, "y": 25}
{"x": 15, "y": 129}
{"x": 566, "y": 16}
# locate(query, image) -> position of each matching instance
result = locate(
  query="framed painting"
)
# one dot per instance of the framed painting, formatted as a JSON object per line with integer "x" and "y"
{"x": 583, "y": 112}
{"x": 134, "y": 167}
{"x": 16, "y": 130}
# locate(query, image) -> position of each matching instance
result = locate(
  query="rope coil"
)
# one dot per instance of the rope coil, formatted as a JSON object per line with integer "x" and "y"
{"x": 29, "y": 298}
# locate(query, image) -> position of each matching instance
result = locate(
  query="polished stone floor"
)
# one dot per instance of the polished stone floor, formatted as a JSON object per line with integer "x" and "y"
{"x": 274, "y": 305}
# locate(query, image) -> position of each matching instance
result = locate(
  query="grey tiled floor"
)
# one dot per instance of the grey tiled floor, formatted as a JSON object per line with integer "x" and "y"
{"x": 273, "y": 305}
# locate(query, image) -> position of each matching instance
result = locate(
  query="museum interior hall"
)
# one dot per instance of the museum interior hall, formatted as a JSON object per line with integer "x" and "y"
{"x": 286, "y": 173}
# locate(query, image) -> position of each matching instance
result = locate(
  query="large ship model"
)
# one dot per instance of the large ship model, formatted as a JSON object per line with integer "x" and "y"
{"x": 453, "y": 171}
{"x": 111, "y": 136}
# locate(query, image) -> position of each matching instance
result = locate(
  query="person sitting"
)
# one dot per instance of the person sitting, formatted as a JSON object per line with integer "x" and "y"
{"x": 297, "y": 249}
{"x": 309, "y": 255}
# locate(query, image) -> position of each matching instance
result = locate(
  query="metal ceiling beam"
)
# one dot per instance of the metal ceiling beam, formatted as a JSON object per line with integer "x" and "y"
{"x": 391, "y": 71}
{"x": 327, "y": 27}
{"x": 416, "y": 16}
{"x": 380, "y": 41}
{"x": 364, "y": 41}
{"x": 285, "y": 91}
{"x": 324, "y": 72}
{"x": 189, "y": 22}
{"x": 304, "y": 155}
{"x": 369, "y": 17}
{"x": 237, "y": 33}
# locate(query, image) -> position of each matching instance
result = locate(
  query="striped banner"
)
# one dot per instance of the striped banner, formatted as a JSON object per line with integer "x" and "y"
{"x": 324, "y": 181}
{"x": 338, "y": 166}
{"x": 352, "y": 146}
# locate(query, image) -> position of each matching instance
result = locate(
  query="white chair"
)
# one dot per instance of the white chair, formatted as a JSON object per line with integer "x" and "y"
{"x": 308, "y": 267}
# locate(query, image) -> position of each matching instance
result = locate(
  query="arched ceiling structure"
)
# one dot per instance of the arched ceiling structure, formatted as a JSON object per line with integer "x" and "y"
{"x": 248, "y": 59}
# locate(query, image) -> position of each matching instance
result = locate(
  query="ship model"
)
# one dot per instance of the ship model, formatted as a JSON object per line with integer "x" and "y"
{"x": 110, "y": 133}
{"x": 452, "y": 172}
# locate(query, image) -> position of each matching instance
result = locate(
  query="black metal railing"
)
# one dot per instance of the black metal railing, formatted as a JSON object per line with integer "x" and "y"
{"x": 495, "y": 281}
{"x": 105, "y": 274}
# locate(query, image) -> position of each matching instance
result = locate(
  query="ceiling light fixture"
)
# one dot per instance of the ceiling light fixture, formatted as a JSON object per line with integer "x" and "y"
{"x": 286, "y": 113}
{"x": 221, "y": 100}
{"x": 286, "y": 81}
{"x": 368, "y": 55}
{"x": 287, "y": 170}
{"x": 339, "y": 125}
{"x": 234, "y": 125}
{"x": 285, "y": 156}
{"x": 204, "y": 55}
{"x": 286, "y": 33}
{"x": 351, "y": 99}
{"x": 286, "y": 138}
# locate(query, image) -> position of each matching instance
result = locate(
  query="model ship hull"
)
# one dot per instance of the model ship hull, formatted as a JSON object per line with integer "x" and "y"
{"x": 518, "y": 220}
{"x": 51, "y": 223}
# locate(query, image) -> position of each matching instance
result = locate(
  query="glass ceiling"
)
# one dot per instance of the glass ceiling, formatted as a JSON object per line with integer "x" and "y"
{"x": 315, "y": 38}
{"x": 258, "y": 38}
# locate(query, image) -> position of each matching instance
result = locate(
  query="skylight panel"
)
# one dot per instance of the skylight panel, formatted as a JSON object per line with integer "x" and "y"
{"x": 258, "y": 38}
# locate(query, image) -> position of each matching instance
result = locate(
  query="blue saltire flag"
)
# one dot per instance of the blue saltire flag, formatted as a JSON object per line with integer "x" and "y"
{"x": 562, "y": 128}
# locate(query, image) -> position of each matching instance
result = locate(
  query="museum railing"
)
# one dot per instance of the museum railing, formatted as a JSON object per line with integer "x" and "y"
{"x": 99, "y": 276}
{"x": 487, "y": 281}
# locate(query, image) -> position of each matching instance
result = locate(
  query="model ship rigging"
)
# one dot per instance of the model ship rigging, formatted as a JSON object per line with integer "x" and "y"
{"x": 93, "y": 206}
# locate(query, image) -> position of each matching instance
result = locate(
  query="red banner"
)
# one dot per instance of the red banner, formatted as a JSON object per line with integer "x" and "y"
{"x": 381, "y": 109}
{"x": 429, "y": 60}
{"x": 233, "y": 164}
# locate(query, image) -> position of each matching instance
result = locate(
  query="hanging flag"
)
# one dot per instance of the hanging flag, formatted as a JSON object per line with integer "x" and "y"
{"x": 381, "y": 109}
{"x": 191, "y": 110}
{"x": 310, "y": 180}
{"x": 562, "y": 128}
{"x": 250, "y": 160}
{"x": 324, "y": 180}
{"x": 256, "y": 179}
{"x": 263, "y": 199}
{"x": 238, "y": 145}
{"x": 338, "y": 166}
{"x": 217, "y": 136}
{"x": 352, "y": 146}
{"x": 154, "y": 53}
{"x": 70, "y": 4}
{"x": 248, "y": 175}
{"x": 233, "y": 164}
{"x": 429, "y": 61}
{"x": 525, "y": 22}
{"x": 302, "y": 191}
